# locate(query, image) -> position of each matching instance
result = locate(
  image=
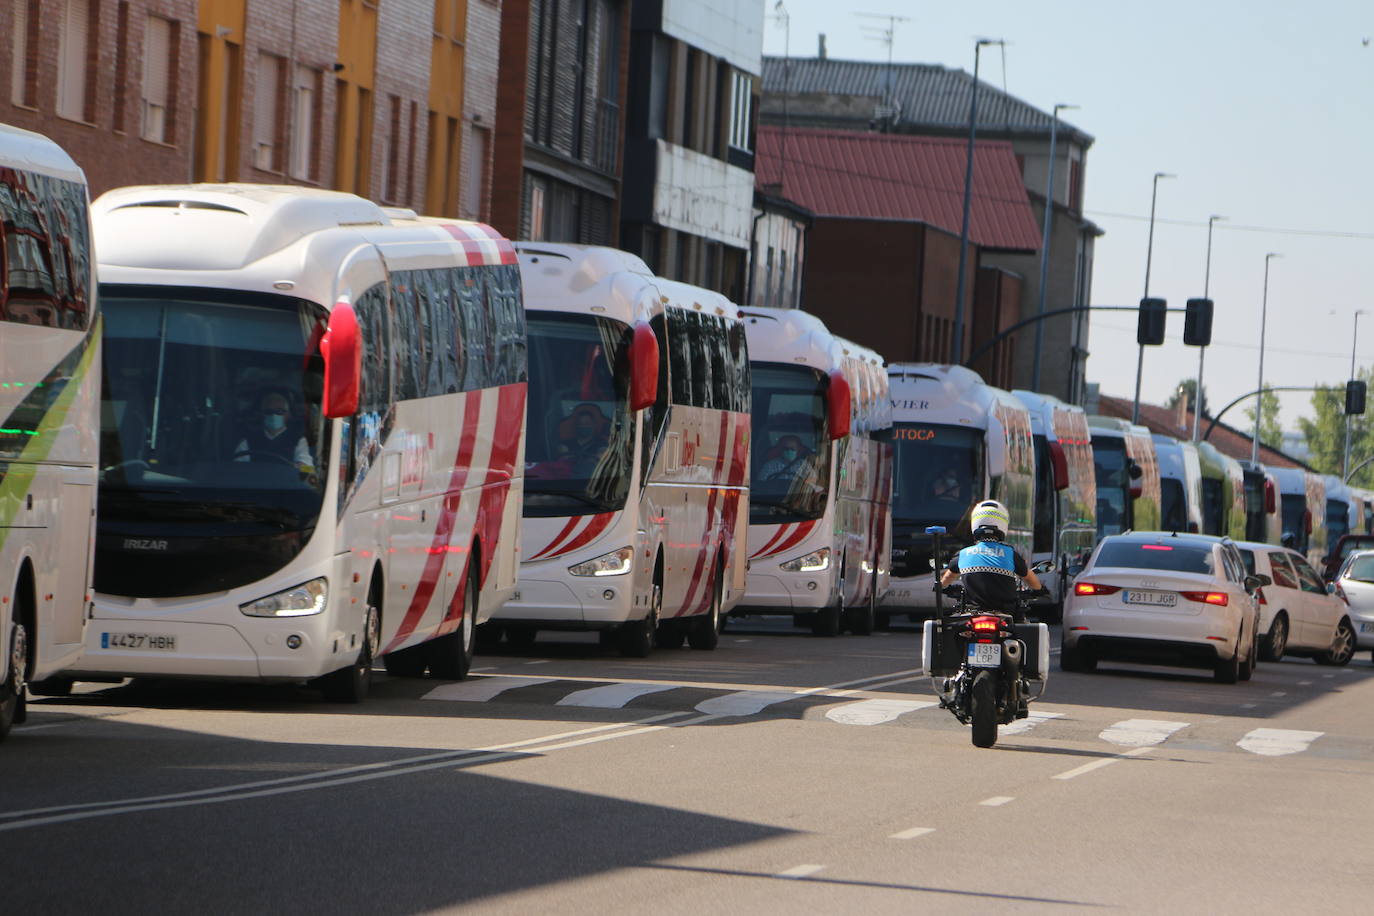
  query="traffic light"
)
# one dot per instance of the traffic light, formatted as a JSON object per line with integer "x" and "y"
{"x": 1149, "y": 329}
{"x": 1354, "y": 397}
{"x": 1197, "y": 323}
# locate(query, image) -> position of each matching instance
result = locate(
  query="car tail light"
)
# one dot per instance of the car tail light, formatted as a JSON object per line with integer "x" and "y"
{"x": 1092, "y": 588}
{"x": 985, "y": 624}
{"x": 1220, "y": 599}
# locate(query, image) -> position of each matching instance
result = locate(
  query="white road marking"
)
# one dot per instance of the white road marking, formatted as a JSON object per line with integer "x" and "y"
{"x": 996, "y": 801}
{"x": 745, "y": 703}
{"x": 743, "y": 640}
{"x": 611, "y": 696}
{"x": 800, "y": 871}
{"x": 1278, "y": 693}
{"x": 1304, "y": 683}
{"x": 1276, "y": 742}
{"x": 1021, "y": 726}
{"x": 1099, "y": 764}
{"x": 1328, "y": 675}
{"x": 1347, "y": 671}
{"x": 912, "y": 834}
{"x": 480, "y": 691}
{"x": 1247, "y": 705}
{"x": 538, "y": 661}
{"x": 875, "y": 712}
{"x": 1140, "y": 732}
{"x": 342, "y": 776}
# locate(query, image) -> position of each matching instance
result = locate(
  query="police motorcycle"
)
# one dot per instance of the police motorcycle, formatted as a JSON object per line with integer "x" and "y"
{"x": 983, "y": 664}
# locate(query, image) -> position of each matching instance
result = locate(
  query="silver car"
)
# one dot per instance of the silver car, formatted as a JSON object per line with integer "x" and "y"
{"x": 1356, "y": 580}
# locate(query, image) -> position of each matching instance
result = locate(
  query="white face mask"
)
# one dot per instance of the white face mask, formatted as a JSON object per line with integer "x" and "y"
{"x": 273, "y": 422}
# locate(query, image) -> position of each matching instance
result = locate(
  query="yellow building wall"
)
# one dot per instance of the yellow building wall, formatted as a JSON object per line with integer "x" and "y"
{"x": 446, "y": 107}
{"x": 220, "y": 36}
{"x": 356, "y": 85}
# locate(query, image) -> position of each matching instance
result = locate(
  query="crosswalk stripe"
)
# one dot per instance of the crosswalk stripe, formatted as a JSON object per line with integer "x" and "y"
{"x": 744, "y": 703}
{"x": 874, "y": 712}
{"x": 611, "y": 696}
{"x": 1140, "y": 732}
{"x": 479, "y": 691}
{"x": 1021, "y": 726}
{"x": 1276, "y": 742}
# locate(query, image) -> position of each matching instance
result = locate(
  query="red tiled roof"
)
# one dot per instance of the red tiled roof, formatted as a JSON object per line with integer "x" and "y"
{"x": 1227, "y": 439}
{"x": 901, "y": 177}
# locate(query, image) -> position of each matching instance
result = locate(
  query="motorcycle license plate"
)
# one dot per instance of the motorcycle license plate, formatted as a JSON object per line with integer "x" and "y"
{"x": 985, "y": 654}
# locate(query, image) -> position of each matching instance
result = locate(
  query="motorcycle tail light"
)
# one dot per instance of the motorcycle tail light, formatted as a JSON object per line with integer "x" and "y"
{"x": 985, "y": 624}
{"x": 1092, "y": 588}
{"x": 1220, "y": 599}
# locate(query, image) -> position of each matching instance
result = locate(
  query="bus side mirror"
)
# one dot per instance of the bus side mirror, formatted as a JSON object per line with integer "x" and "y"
{"x": 644, "y": 357}
{"x": 1271, "y": 503}
{"x": 342, "y": 349}
{"x": 837, "y": 405}
{"x": 1134, "y": 470}
{"x": 1060, "y": 464}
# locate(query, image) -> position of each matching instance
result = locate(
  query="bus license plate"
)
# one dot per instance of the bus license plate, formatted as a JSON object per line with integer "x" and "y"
{"x": 985, "y": 654}
{"x": 157, "y": 642}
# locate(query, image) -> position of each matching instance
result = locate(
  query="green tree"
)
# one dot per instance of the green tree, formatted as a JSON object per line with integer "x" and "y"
{"x": 1188, "y": 387}
{"x": 1325, "y": 433}
{"x": 1271, "y": 431}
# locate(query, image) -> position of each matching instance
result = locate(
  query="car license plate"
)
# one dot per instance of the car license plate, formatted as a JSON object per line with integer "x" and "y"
{"x": 1153, "y": 599}
{"x": 157, "y": 642}
{"x": 1367, "y": 628}
{"x": 984, "y": 654}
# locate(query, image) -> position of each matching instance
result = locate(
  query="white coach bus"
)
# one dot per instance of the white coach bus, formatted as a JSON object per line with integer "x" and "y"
{"x": 957, "y": 441}
{"x": 820, "y": 495}
{"x": 312, "y": 439}
{"x": 637, "y": 461}
{"x": 1065, "y": 517}
{"x": 50, "y": 403}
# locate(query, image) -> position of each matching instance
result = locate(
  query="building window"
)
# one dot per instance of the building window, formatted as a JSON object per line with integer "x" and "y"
{"x": 741, "y": 112}
{"x": 687, "y": 135}
{"x": 23, "y": 72}
{"x": 267, "y": 113}
{"x": 475, "y": 174}
{"x": 157, "y": 60}
{"x": 391, "y": 165}
{"x": 121, "y": 65}
{"x": 73, "y": 64}
{"x": 537, "y": 211}
{"x": 1076, "y": 185}
{"x": 304, "y": 111}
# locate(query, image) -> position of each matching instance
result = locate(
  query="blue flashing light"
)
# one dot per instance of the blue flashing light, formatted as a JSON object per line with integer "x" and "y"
{"x": 936, "y": 529}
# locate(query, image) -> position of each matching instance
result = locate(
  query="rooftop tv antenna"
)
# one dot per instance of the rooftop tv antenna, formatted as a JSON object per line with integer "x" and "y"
{"x": 889, "y": 111}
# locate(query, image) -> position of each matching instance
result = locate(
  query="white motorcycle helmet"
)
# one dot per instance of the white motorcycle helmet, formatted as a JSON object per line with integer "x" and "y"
{"x": 990, "y": 520}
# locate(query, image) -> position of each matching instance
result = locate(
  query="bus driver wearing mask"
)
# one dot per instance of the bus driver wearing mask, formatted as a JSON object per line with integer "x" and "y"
{"x": 275, "y": 436}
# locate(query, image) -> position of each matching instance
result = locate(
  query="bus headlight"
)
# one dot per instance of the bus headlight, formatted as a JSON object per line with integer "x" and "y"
{"x": 815, "y": 561}
{"x": 301, "y": 601}
{"x": 615, "y": 563}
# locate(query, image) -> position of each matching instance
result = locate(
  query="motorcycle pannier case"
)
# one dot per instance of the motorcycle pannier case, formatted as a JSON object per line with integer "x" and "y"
{"x": 942, "y": 648}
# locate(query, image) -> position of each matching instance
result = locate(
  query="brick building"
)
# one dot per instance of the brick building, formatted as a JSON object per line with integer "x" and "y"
{"x": 560, "y": 104}
{"x": 393, "y": 101}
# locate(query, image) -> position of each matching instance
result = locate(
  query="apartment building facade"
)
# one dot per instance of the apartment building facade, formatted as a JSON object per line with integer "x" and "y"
{"x": 391, "y": 100}
{"x": 695, "y": 77}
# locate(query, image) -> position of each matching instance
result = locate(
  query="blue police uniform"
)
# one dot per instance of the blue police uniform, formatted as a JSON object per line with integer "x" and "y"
{"x": 990, "y": 572}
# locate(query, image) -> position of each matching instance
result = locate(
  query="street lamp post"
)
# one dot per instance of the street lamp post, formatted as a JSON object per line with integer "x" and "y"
{"x": 1149, "y": 253}
{"x": 1345, "y": 462}
{"x": 1202, "y": 351}
{"x": 1264, "y": 318}
{"x": 956, "y": 356}
{"x": 1045, "y": 247}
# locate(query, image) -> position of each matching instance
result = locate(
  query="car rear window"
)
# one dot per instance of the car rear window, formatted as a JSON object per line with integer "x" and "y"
{"x": 1166, "y": 557}
{"x": 1361, "y": 569}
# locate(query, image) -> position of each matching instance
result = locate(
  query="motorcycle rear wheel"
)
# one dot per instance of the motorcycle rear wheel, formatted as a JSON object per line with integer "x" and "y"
{"x": 983, "y": 700}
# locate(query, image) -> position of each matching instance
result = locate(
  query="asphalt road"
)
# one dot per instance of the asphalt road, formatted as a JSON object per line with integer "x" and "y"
{"x": 780, "y": 773}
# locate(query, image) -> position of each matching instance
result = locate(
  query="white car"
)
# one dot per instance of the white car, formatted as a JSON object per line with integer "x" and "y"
{"x": 1356, "y": 580}
{"x": 1299, "y": 614}
{"x": 1164, "y": 599}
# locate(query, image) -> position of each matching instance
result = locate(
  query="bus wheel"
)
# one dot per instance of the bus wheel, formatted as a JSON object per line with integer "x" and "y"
{"x": 827, "y": 621}
{"x": 351, "y": 684}
{"x": 669, "y": 635}
{"x": 12, "y": 692}
{"x": 450, "y": 656}
{"x": 636, "y": 637}
{"x": 861, "y": 620}
{"x": 704, "y": 632}
{"x": 405, "y": 662}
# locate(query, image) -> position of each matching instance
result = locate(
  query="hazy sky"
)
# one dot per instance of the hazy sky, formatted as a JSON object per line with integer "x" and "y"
{"x": 1264, "y": 110}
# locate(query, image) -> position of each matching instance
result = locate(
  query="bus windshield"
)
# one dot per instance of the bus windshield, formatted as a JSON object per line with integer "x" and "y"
{"x": 1294, "y": 509}
{"x": 937, "y": 473}
{"x": 1337, "y": 520}
{"x": 211, "y": 427}
{"x": 579, "y": 448}
{"x": 1113, "y": 484}
{"x": 1174, "y": 505}
{"x": 790, "y": 450}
